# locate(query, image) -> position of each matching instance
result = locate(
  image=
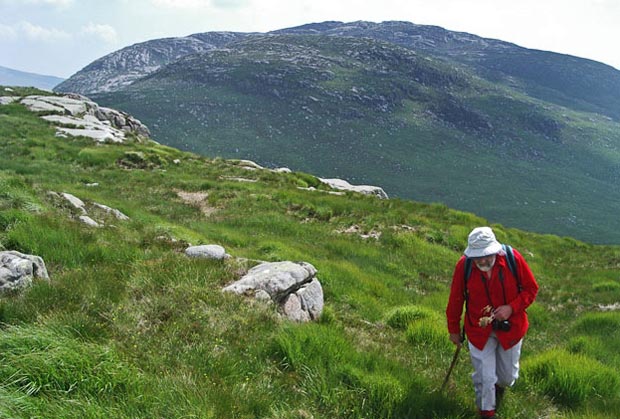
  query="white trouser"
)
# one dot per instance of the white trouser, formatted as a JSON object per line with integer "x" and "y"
{"x": 493, "y": 365}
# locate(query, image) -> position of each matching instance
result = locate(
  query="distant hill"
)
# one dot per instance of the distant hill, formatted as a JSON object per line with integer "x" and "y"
{"x": 426, "y": 113}
{"x": 10, "y": 77}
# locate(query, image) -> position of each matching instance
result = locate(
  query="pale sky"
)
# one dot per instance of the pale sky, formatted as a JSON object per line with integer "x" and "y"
{"x": 59, "y": 37}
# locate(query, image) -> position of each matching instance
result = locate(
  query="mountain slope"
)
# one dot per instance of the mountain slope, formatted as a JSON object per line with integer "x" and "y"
{"x": 128, "y": 326}
{"x": 373, "y": 112}
{"x": 569, "y": 81}
{"x": 10, "y": 77}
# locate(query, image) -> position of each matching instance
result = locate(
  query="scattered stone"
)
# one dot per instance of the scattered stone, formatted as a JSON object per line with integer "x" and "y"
{"x": 239, "y": 179}
{"x": 5, "y": 100}
{"x": 89, "y": 221}
{"x": 355, "y": 229}
{"x": 291, "y": 285}
{"x": 248, "y": 164}
{"x": 346, "y": 186}
{"x": 89, "y": 210}
{"x": 404, "y": 227}
{"x": 313, "y": 189}
{"x": 609, "y": 307}
{"x": 18, "y": 270}
{"x": 116, "y": 213}
{"x": 75, "y": 202}
{"x": 207, "y": 251}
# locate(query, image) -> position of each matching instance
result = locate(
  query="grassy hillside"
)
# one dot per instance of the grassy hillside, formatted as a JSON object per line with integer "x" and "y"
{"x": 375, "y": 113}
{"x": 129, "y": 327}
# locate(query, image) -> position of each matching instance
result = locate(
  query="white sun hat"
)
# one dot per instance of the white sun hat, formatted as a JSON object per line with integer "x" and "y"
{"x": 482, "y": 242}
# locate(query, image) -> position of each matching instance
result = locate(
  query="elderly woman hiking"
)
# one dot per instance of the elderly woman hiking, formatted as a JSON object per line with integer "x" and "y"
{"x": 495, "y": 285}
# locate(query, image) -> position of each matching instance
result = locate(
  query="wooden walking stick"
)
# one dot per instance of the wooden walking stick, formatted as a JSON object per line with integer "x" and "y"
{"x": 454, "y": 359}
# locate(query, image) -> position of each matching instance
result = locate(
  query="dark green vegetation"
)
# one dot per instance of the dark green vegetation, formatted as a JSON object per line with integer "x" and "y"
{"x": 526, "y": 138}
{"x": 129, "y": 327}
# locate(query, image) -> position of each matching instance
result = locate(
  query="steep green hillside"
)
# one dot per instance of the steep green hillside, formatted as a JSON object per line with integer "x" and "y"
{"x": 372, "y": 112}
{"x": 129, "y": 327}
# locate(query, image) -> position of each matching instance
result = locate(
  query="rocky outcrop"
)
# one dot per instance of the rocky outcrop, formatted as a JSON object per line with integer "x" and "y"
{"x": 18, "y": 270}
{"x": 293, "y": 286}
{"x": 346, "y": 186}
{"x": 77, "y": 116}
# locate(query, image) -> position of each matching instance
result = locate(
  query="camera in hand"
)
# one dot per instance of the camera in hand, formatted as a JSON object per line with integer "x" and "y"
{"x": 503, "y": 325}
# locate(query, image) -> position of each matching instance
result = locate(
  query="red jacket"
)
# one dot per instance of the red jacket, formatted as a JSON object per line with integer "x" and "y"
{"x": 478, "y": 299}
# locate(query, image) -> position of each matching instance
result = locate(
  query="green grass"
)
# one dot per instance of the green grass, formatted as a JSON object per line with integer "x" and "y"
{"x": 129, "y": 327}
{"x": 572, "y": 380}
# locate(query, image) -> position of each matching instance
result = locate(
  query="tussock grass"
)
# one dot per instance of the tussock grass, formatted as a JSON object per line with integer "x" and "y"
{"x": 39, "y": 362}
{"x": 607, "y": 286}
{"x": 428, "y": 336}
{"x": 402, "y": 317}
{"x": 571, "y": 380}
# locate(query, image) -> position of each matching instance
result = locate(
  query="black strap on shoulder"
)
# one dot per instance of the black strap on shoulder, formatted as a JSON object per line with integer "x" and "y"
{"x": 512, "y": 264}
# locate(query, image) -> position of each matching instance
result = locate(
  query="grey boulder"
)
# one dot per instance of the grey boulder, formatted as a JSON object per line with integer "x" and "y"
{"x": 290, "y": 285}
{"x": 18, "y": 270}
{"x": 207, "y": 251}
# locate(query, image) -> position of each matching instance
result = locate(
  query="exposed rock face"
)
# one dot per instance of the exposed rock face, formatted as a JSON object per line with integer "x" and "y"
{"x": 77, "y": 115}
{"x": 120, "y": 68}
{"x": 17, "y": 270}
{"x": 291, "y": 285}
{"x": 346, "y": 186}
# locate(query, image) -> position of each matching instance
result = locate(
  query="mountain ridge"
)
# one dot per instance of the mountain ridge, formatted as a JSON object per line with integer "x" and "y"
{"x": 465, "y": 48}
{"x": 422, "y": 126}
